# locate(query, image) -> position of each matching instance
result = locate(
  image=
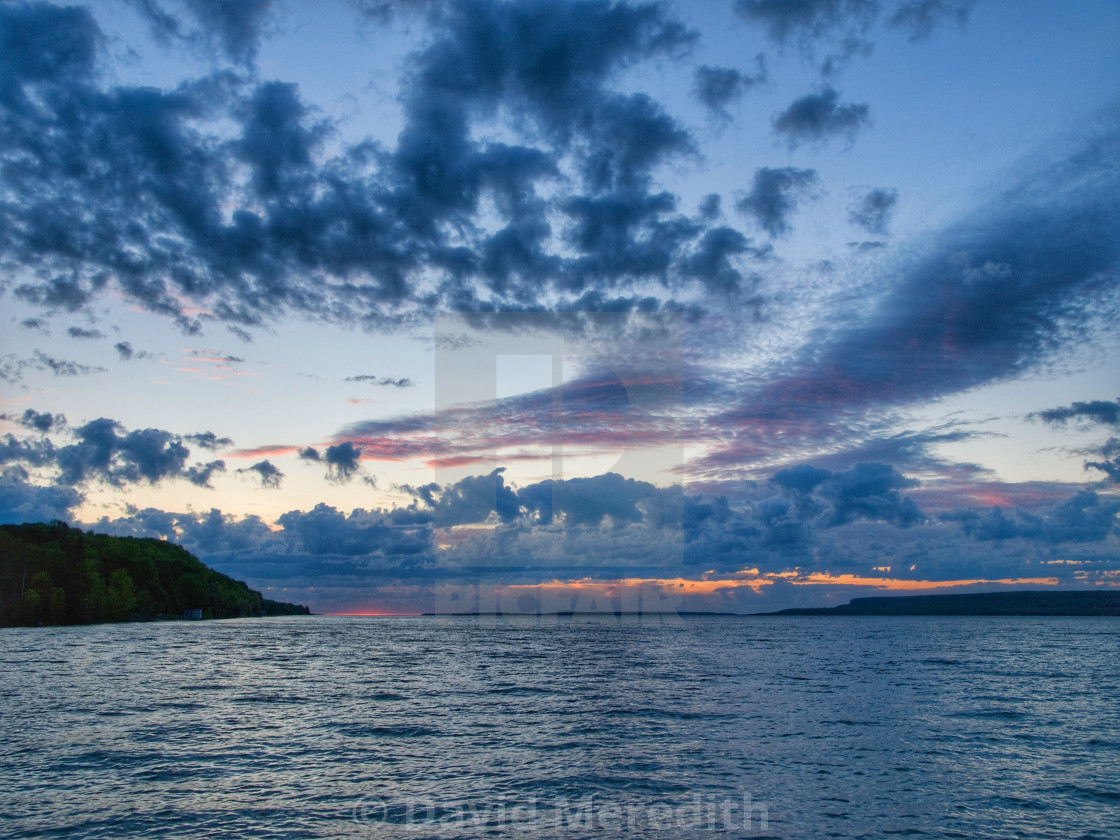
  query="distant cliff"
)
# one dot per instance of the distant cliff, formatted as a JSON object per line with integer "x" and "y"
{"x": 1031, "y": 602}
{"x": 54, "y": 574}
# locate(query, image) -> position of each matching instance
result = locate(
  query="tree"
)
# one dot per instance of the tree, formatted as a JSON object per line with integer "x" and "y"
{"x": 122, "y": 596}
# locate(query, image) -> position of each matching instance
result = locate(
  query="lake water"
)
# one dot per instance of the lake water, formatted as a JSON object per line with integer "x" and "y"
{"x": 439, "y": 727}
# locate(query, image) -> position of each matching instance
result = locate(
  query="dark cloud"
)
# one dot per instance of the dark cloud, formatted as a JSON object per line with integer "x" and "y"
{"x": 325, "y": 530}
{"x": 140, "y": 189}
{"x": 870, "y": 491}
{"x": 872, "y": 211}
{"x": 787, "y": 20}
{"x": 208, "y": 440}
{"x": 211, "y": 534}
{"x": 1083, "y": 517}
{"x": 803, "y": 478}
{"x": 866, "y": 491}
{"x": 34, "y": 453}
{"x": 774, "y": 195}
{"x": 101, "y": 452}
{"x": 41, "y": 422}
{"x": 12, "y": 366}
{"x": 1010, "y": 282}
{"x": 267, "y": 472}
{"x": 21, "y": 501}
{"x": 80, "y": 332}
{"x": 199, "y": 474}
{"x": 713, "y": 262}
{"x": 343, "y": 461}
{"x": 821, "y": 522}
{"x": 310, "y": 453}
{"x": 718, "y": 87}
{"x": 385, "y": 11}
{"x": 42, "y": 42}
{"x": 214, "y": 356}
{"x": 590, "y": 501}
{"x": 1110, "y": 466}
{"x": 474, "y": 499}
{"x": 127, "y": 353}
{"x": 819, "y": 116}
{"x": 399, "y": 382}
{"x": 64, "y": 367}
{"x": 278, "y": 139}
{"x": 1095, "y": 411}
{"x": 921, "y": 17}
{"x": 34, "y": 324}
{"x": 234, "y": 29}
{"x": 69, "y": 293}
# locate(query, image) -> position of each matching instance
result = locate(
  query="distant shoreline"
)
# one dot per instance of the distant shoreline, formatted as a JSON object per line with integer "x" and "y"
{"x": 1069, "y": 603}
{"x": 1023, "y": 603}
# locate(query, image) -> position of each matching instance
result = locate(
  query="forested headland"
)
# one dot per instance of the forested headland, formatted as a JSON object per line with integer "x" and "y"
{"x": 55, "y": 574}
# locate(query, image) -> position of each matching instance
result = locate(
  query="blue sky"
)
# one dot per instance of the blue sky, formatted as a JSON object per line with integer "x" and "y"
{"x": 747, "y": 304}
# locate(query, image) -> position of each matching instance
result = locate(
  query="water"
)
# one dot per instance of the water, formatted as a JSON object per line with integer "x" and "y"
{"x": 422, "y": 727}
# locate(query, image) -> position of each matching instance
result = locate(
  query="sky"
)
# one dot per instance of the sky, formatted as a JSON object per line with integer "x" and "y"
{"x": 443, "y": 305}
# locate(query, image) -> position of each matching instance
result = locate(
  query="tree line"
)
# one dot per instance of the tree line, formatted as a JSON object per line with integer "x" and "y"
{"x": 55, "y": 574}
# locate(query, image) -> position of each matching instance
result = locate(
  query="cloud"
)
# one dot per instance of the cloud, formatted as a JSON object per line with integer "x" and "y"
{"x": 278, "y": 141}
{"x": 806, "y": 19}
{"x": 200, "y": 474}
{"x": 63, "y": 367}
{"x": 1083, "y": 517}
{"x": 21, "y": 501}
{"x": 1011, "y": 280}
{"x": 127, "y": 353}
{"x": 12, "y": 366}
{"x": 872, "y": 210}
{"x": 35, "y": 453}
{"x": 718, "y": 87}
{"x": 866, "y": 491}
{"x": 921, "y": 17}
{"x": 343, "y": 461}
{"x": 41, "y": 422}
{"x": 209, "y": 440}
{"x": 475, "y": 499}
{"x": 1095, "y": 411}
{"x": 267, "y": 472}
{"x": 399, "y": 382}
{"x": 819, "y": 116}
{"x": 588, "y": 501}
{"x": 235, "y": 29}
{"x": 80, "y": 332}
{"x": 774, "y": 195}
{"x": 1110, "y": 466}
{"x": 713, "y": 260}
{"x": 326, "y": 531}
{"x": 808, "y": 526}
{"x": 469, "y": 433}
{"x": 223, "y": 203}
{"x": 100, "y": 452}
{"x": 103, "y": 450}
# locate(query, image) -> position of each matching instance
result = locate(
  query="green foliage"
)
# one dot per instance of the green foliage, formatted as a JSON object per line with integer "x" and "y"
{"x": 54, "y": 574}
